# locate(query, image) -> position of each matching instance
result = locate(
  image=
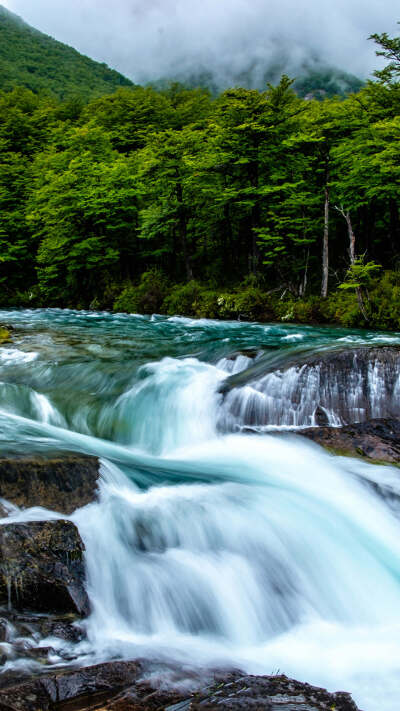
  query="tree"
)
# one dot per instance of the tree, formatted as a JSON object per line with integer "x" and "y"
{"x": 83, "y": 211}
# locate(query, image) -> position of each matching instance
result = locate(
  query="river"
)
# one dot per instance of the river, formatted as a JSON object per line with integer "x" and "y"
{"x": 209, "y": 544}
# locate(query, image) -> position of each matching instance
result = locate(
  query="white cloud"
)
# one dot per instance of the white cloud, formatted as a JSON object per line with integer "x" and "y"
{"x": 147, "y": 39}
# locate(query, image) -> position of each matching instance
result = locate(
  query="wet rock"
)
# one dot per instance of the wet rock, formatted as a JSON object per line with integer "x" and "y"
{"x": 269, "y": 693}
{"x": 378, "y": 440}
{"x": 4, "y": 630}
{"x": 4, "y": 512}
{"x": 61, "y": 483}
{"x": 37, "y": 626}
{"x": 321, "y": 418}
{"x": 89, "y": 686}
{"x": 5, "y": 335}
{"x": 67, "y": 629}
{"x": 128, "y": 686}
{"x": 42, "y": 567}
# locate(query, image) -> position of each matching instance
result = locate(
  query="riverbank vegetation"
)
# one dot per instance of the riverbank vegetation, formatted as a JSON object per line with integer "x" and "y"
{"x": 246, "y": 205}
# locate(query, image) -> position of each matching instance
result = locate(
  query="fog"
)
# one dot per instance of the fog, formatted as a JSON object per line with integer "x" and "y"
{"x": 151, "y": 39}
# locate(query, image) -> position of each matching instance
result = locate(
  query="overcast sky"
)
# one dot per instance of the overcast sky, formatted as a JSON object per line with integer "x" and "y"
{"x": 148, "y": 39}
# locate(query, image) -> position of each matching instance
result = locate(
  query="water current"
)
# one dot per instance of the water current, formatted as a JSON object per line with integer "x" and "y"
{"x": 211, "y": 545}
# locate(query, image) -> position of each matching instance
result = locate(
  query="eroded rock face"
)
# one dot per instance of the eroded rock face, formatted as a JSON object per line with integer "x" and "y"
{"x": 378, "y": 440}
{"x": 122, "y": 686}
{"x": 42, "y": 567}
{"x": 61, "y": 483}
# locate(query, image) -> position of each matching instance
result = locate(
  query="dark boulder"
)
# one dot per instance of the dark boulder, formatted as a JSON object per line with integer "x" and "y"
{"x": 377, "y": 440}
{"x": 62, "y": 483}
{"x": 270, "y": 693}
{"x": 42, "y": 567}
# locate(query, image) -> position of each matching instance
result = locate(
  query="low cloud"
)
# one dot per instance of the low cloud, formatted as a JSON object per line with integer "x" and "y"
{"x": 151, "y": 39}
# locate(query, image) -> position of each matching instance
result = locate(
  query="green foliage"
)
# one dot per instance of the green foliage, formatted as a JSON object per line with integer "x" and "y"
{"x": 384, "y": 297}
{"x": 183, "y": 299}
{"x": 360, "y": 274}
{"x": 390, "y": 49}
{"x": 147, "y": 297}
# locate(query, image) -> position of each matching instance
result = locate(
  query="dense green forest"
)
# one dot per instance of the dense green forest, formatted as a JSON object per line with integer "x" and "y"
{"x": 249, "y": 204}
{"x": 31, "y": 59}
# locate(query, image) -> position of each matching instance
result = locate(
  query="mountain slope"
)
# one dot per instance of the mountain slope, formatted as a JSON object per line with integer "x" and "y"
{"x": 32, "y": 59}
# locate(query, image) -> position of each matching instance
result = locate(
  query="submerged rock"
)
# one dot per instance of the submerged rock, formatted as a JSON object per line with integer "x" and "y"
{"x": 61, "y": 483}
{"x": 5, "y": 335}
{"x": 42, "y": 567}
{"x": 378, "y": 439}
{"x": 122, "y": 686}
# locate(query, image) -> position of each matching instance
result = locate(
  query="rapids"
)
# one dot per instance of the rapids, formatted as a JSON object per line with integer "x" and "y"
{"x": 210, "y": 545}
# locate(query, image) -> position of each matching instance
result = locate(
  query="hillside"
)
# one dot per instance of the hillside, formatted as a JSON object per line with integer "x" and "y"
{"x": 32, "y": 59}
{"x": 313, "y": 79}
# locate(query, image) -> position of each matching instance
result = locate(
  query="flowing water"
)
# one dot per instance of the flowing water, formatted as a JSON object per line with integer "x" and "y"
{"x": 210, "y": 545}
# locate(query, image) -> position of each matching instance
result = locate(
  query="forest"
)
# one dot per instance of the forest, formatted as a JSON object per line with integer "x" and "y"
{"x": 250, "y": 204}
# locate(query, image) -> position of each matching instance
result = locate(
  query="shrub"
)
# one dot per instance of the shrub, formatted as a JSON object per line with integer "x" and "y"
{"x": 147, "y": 297}
{"x": 182, "y": 299}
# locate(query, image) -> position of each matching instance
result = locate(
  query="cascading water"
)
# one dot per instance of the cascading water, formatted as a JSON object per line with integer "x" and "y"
{"x": 342, "y": 387}
{"x": 207, "y": 546}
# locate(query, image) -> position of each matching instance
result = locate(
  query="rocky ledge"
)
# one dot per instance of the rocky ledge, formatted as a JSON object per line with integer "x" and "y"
{"x": 62, "y": 483}
{"x": 377, "y": 440}
{"x": 134, "y": 686}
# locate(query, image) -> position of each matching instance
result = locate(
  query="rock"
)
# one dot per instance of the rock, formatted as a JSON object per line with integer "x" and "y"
{"x": 61, "y": 484}
{"x": 270, "y": 693}
{"x": 4, "y": 630}
{"x": 61, "y": 627}
{"x": 378, "y": 439}
{"x": 5, "y": 336}
{"x": 4, "y": 512}
{"x": 42, "y": 567}
{"x": 93, "y": 683}
{"x": 66, "y": 627}
{"x": 122, "y": 686}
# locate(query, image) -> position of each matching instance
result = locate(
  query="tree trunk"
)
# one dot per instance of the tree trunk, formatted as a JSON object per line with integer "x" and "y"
{"x": 352, "y": 239}
{"x": 303, "y": 283}
{"x": 352, "y": 254}
{"x": 360, "y": 302}
{"x": 325, "y": 243}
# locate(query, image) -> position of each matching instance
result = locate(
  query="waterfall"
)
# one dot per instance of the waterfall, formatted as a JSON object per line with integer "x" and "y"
{"x": 209, "y": 546}
{"x": 339, "y": 389}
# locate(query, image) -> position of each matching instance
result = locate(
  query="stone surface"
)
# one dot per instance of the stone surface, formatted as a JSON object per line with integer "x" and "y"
{"x": 56, "y": 690}
{"x": 128, "y": 686}
{"x": 378, "y": 440}
{"x": 42, "y": 567}
{"x": 270, "y": 693}
{"x": 61, "y": 483}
